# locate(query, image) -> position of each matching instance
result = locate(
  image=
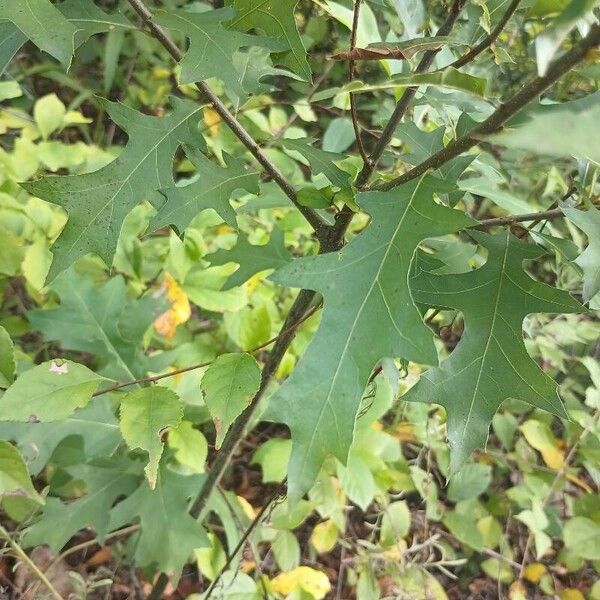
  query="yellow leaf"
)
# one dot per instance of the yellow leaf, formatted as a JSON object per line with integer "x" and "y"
{"x": 403, "y": 432}
{"x": 160, "y": 73}
{"x": 534, "y": 572}
{"x": 539, "y": 436}
{"x": 248, "y": 566}
{"x": 253, "y": 282}
{"x": 395, "y": 553}
{"x": 310, "y": 580}
{"x": 180, "y": 310}
{"x": 246, "y": 507}
{"x": 517, "y": 591}
{"x": 571, "y": 594}
{"x": 223, "y": 229}
{"x": 324, "y": 536}
{"x": 212, "y": 120}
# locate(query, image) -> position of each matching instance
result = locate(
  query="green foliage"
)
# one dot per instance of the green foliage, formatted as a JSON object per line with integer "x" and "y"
{"x": 405, "y": 404}
{"x": 228, "y": 386}
{"x": 491, "y": 363}
{"x": 368, "y": 316}
{"x": 145, "y": 416}
{"x": 98, "y": 202}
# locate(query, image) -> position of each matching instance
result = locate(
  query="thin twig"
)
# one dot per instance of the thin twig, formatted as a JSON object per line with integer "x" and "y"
{"x": 489, "y": 39}
{"x": 257, "y": 519}
{"x": 535, "y": 217}
{"x": 511, "y": 107}
{"x": 404, "y": 102}
{"x": 30, "y": 564}
{"x": 317, "y": 223}
{"x": 352, "y": 75}
{"x": 155, "y": 378}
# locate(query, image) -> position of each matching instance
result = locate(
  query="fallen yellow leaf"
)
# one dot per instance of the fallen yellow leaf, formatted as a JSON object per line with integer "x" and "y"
{"x": 324, "y": 536}
{"x": 180, "y": 310}
{"x": 571, "y": 594}
{"x": 310, "y": 580}
{"x": 517, "y": 591}
{"x": 534, "y": 572}
{"x": 246, "y": 507}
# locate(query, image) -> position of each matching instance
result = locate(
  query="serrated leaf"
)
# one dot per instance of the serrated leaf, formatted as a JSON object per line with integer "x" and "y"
{"x": 105, "y": 482}
{"x": 98, "y": 202}
{"x": 368, "y": 315}
{"x": 275, "y": 19}
{"x": 490, "y": 363}
{"x": 49, "y": 392}
{"x": 320, "y": 161}
{"x": 228, "y": 386}
{"x": 589, "y": 259}
{"x": 145, "y": 416}
{"x": 169, "y": 534}
{"x": 252, "y": 259}
{"x": 44, "y": 25}
{"x": 212, "y": 189}
{"x": 7, "y": 359}
{"x": 96, "y": 424}
{"x": 212, "y": 47}
{"x": 102, "y": 321}
{"x": 14, "y": 478}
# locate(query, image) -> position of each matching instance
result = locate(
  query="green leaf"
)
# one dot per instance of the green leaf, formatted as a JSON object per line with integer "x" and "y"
{"x": 11, "y": 39}
{"x": 449, "y": 78}
{"x": 252, "y": 259}
{"x": 395, "y": 523}
{"x": 273, "y": 457}
{"x": 589, "y": 260}
{"x": 49, "y": 392}
{"x": 106, "y": 481}
{"x": 83, "y": 15}
{"x": 369, "y": 314}
{"x": 212, "y": 47}
{"x": 98, "y": 202}
{"x": 228, "y": 387}
{"x": 552, "y": 36}
{"x": 275, "y": 19}
{"x": 203, "y": 287}
{"x": 102, "y": 321}
{"x": 490, "y": 363}
{"x": 169, "y": 535}
{"x": 190, "y": 446}
{"x": 582, "y": 537}
{"x": 212, "y": 189}
{"x": 95, "y": 424}
{"x": 568, "y": 129}
{"x": 537, "y": 521}
{"x": 320, "y": 161}
{"x": 471, "y": 481}
{"x": 145, "y": 416}
{"x": 44, "y": 25}
{"x": 14, "y": 478}
{"x": 7, "y": 359}
{"x": 255, "y": 66}
{"x": 90, "y": 20}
